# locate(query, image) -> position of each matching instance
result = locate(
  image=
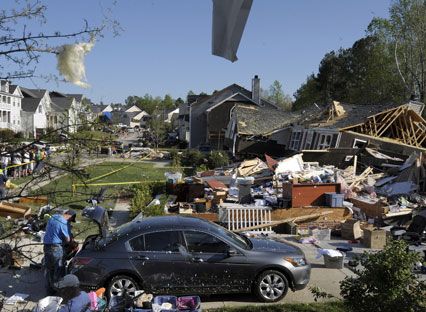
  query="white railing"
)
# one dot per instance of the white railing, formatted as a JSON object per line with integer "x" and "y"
{"x": 239, "y": 217}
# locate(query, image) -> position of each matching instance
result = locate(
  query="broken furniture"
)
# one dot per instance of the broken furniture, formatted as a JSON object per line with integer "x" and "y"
{"x": 308, "y": 194}
{"x": 372, "y": 207}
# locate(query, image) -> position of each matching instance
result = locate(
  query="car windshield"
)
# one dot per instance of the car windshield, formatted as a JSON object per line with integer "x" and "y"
{"x": 239, "y": 240}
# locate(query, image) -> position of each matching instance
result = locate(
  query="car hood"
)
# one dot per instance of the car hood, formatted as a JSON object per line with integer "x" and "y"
{"x": 269, "y": 244}
{"x": 99, "y": 215}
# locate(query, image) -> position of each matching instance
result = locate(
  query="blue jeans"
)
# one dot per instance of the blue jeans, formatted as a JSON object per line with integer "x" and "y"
{"x": 2, "y": 192}
{"x": 54, "y": 265}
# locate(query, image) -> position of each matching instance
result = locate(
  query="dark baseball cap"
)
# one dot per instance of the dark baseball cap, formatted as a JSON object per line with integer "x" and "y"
{"x": 72, "y": 213}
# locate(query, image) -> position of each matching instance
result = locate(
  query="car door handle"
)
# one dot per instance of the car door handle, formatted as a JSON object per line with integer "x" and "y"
{"x": 198, "y": 260}
{"x": 142, "y": 258}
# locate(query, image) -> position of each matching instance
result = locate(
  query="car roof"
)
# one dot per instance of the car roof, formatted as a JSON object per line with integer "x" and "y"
{"x": 171, "y": 223}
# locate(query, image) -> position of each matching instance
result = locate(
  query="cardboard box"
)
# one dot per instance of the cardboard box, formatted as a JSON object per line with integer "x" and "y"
{"x": 375, "y": 239}
{"x": 351, "y": 229}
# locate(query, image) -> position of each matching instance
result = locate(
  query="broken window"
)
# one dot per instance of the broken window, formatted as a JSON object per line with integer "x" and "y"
{"x": 359, "y": 143}
{"x": 296, "y": 138}
{"x": 324, "y": 141}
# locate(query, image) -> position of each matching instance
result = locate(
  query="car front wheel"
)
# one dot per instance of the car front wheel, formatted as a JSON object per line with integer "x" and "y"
{"x": 271, "y": 286}
{"x": 121, "y": 285}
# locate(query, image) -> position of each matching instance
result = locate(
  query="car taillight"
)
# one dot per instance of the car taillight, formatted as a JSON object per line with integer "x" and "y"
{"x": 80, "y": 261}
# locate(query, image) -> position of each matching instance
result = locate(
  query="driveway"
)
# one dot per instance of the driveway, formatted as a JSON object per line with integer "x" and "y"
{"x": 327, "y": 279}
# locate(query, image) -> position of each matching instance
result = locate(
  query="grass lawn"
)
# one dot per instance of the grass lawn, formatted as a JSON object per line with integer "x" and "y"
{"x": 60, "y": 193}
{"x": 60, "y": 190}
{"x": 298, "y": 307}
{"x": 21, "y": 180}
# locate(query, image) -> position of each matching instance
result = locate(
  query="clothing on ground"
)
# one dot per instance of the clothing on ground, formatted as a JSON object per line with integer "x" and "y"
{"x": 81, "y": 303}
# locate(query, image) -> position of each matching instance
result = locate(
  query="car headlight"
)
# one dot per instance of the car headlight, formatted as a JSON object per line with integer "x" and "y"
{"x": 296, "y": 261}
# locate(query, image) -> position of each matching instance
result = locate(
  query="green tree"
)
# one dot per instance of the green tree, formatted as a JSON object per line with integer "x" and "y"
{"x": 157, "y": 127}
{"x": 277, "y": 96}
{"x": 131, "y": 100}
{"x": 190, "y": 92}
{"x": 179, "y": 102}
{"x": 405, "y": 32}
{"x": 362, "y": 74}
{"x": 148, "y": 103}
{"x": 308, "y": 94}
{"x": 372, "y": 74}
{"x": 167, "y": 102}
{"x": 386, "y": 282}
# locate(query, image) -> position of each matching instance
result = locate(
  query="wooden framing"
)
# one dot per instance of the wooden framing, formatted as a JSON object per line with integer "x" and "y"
{"x": 401, "y": 124}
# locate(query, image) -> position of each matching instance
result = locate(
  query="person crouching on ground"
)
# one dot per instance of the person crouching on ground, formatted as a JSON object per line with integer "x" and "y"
{"x": 57, "y": 234}
{"x": 75, "y": 300}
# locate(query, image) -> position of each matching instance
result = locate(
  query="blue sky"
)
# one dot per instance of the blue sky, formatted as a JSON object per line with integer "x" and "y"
{"x": 166, "y": 44}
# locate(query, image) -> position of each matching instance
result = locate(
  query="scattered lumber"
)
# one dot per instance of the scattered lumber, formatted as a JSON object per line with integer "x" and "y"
{"x": 361, "y": 177}
{"x": 14, "y": 210}
{"x": 275, "y": 223}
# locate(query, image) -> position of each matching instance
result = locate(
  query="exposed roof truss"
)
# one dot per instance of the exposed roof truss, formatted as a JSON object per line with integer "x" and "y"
{"x": 401, "y": 124}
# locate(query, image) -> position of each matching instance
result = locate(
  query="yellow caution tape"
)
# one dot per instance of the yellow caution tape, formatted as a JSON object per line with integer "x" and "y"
{"x": 20, "y": 165}
{"x": 107, "y": 174}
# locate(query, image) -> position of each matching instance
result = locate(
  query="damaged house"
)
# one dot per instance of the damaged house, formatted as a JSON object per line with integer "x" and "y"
{"x": 250, "y": 130}
{"x": 391, "y": 127}
{"x": 209, "y": 116}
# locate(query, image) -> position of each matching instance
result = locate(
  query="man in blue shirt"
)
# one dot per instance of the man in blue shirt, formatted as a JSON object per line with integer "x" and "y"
{"x": 57, "y": 234}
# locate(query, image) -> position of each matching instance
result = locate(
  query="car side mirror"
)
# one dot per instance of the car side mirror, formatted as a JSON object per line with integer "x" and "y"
{"x": 232, "y": 252}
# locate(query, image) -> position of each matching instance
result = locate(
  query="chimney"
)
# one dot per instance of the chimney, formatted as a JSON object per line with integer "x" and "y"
{"x": 255, "y": 89}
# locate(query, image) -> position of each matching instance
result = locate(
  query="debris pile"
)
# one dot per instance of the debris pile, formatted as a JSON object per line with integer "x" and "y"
{"x": 376, "y": 189}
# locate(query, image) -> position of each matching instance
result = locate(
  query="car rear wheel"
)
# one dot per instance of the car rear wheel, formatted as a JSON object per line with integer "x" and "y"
{"x": 122, "y": 284}
{"x": 271, "y": 286}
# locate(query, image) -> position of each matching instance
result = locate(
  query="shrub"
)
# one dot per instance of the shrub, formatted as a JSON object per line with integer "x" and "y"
{"x": 7, "y": 136}
{"x": 141, "y": 198}
{"x": 386, "y": 283}
{"x": 201, "y": 168}
{"x": 154, "y": 210}
{"x": 176, "y": 158}
{"x": 217, "y": 159}
{"x": 143, "y": 195}
{"x": 192, "y": 158}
